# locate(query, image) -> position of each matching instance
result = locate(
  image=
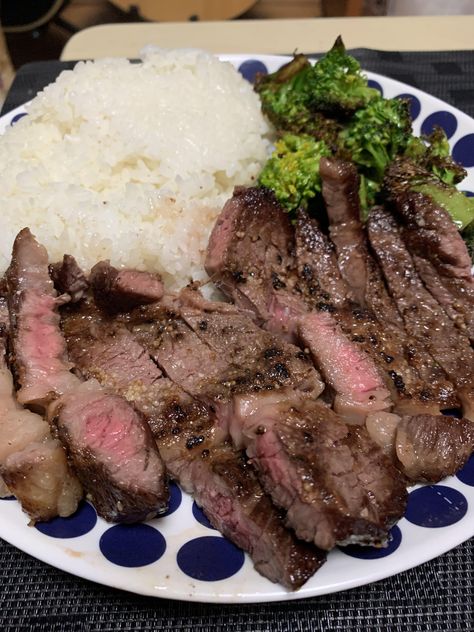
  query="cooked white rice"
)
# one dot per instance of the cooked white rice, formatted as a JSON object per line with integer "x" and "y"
{"x": 132, "y": 162}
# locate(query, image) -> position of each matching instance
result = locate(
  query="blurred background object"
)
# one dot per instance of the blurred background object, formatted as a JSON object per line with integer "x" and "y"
{"x": 6, "y": 69}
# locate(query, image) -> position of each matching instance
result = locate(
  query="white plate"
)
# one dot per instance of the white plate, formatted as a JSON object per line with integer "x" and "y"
{"x": 439, "y": 516}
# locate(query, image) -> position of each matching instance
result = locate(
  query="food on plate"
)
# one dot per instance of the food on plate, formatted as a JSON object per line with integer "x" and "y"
{"x": 132, "y": 162}
{"x": 109, "y": 446}
{"x": 329, "y": 109}
{"x": 337, "y": 368}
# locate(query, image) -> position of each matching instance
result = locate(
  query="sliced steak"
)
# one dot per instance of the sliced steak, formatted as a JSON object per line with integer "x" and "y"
{"x": 424, "y": 318}
{"x": 335, "y": 483}
{"x": 190, "y": 443}
{"x": 264, "y": 254}
{"x": 121, "y": 290}
{"x": 420, "y": 386}
{"x": 68, "y": 278}
{"x": 440, "y": 255}
{"x": 32, "y": 464}
{"x": 259, "y": 395}
{"x": 340, "y": 188}
{"x": 113, "y": 452}
{"x": 246, "y": 257}
{"x": 39, "y": 352}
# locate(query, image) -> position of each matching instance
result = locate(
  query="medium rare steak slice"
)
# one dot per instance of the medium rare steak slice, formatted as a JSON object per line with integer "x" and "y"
{"x": 424, "y": 318}
{"x": 190, "y": 443}
{"x": 121, "y": 290}
{"x": 246, "y": 257}
{"x": 39, "y": 352}
{"x": 68, "y": 278}
{"x": 420, "y": 384}
{"x": 260, "y": 399}
{"x": 113, "y": 452}
{"x": 334, "y": 481}
{"x": 440, "y": 255}
{"x": 32, "y": 464}
{"x": 359, "y": 388}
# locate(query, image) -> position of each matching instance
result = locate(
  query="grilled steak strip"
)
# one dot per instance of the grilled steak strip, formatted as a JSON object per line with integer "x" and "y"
{"x": 424, "y": 318}
{"x": 121, "y": 290}
{"x": 32, "y": 464}
{"x": 190, "y": 443}
{"x": 439, "y": 252}
{"x": 424, "y": 385}
{"x": 39, "y": 352}
{"x": 260, "y": 397}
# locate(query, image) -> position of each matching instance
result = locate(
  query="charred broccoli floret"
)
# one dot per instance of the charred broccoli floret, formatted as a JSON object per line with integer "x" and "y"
{"x": 300, "y": 97}
{"x": 433, "y": 153}
{"x": 376, "y": 134}
{"x": 292, "y": 171}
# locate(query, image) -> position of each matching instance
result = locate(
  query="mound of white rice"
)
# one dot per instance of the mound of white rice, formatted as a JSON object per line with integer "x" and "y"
{"x": 132, "y": 162}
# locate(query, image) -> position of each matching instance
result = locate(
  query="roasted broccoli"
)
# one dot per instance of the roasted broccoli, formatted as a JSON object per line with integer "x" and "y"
{"x": 292, "y": 171}
{"x": 303, "y": 98}
{"x": 375, "y": 135}
{"x": 433, "y": 153}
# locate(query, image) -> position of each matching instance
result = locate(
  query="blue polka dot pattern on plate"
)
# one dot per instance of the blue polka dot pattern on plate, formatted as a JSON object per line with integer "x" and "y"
{"x": 210, "y": 558}
{"x": 415, "y": 105}
{"x": 435, "y": 506}
{"x": 17, "y": 117}
{"x": 132, "y": 545}
{"x": 201, "y": 517}
{"x": 443, "y": 119}
{"x": 373, "y": 552}
{"x": 8, "y": 498}
{"x": 249, "y": 69}
{"x": 176, "y": 497}
{"x": 78, "y": 524}
{"x": 463, "y": 151}
{"x": 468, "y": 193}
{"x": 466, "y": 474}
{"x": 375, "y": 84}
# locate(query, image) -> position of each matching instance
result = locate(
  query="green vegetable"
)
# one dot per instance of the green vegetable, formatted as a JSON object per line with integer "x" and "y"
{"x": 303, "y": 98}
{"x": 375, "y": 135}
{"x": 292, "y": 171}
{"x": 433, "y": 153}
{"x": 458, "y": 205}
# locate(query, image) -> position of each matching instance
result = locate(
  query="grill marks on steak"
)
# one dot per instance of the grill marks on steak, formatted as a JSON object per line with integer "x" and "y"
{"x": 258, "y": 392}
{"x": 277, "y": 293}
{"x": 39, "y": 353}
{"x": 190, "y": 442}
{"x": 424, "y": 318}
{"x": 33, "y": 465}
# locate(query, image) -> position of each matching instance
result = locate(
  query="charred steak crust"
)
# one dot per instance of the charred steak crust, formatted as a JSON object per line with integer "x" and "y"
{"x": 68, "y": 278}
{"x": 221, "y": 480}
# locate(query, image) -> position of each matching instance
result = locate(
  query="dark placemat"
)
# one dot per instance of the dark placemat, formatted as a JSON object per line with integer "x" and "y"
{"x": 437, "y": 596}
